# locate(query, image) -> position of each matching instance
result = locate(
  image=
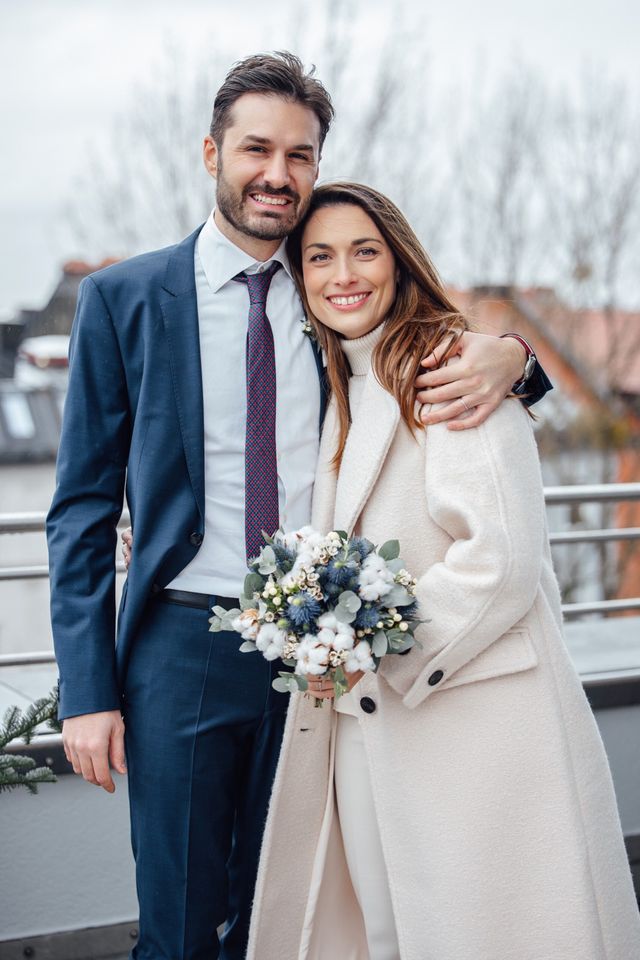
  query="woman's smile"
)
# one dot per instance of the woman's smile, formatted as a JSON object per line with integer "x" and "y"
{"x": 349, "y": 270}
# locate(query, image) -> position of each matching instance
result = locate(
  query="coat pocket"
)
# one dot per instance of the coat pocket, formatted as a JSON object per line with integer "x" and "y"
{"x": 513, "y": 652}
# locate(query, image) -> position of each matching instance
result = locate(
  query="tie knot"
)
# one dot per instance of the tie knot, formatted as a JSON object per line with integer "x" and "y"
{"x": 259, "y": 283}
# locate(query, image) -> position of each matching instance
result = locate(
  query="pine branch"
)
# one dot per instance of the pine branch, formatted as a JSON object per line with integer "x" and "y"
{"x": 17, "y": 770}
{"x": 10, "y": 779}
{"x": 18, "y": 725}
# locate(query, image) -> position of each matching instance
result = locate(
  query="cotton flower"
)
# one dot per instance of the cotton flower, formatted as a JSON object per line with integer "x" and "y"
{"x": 335, "y": 634}
{"x": 375, "y": 579}
{"x": 247, "y": 624}
{"x": 312, "y": 656}
{"x": 270, "y": 641}
{"x": 360, "y": 658}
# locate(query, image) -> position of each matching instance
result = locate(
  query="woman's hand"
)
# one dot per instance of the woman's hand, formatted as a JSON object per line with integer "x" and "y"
{"x": 322, "y": 687}
{"x": 127, "y": 546}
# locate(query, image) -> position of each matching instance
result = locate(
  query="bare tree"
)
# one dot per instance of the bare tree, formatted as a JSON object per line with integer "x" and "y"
{"x": 495, "y": 179}
{"x": 145, "y": 185}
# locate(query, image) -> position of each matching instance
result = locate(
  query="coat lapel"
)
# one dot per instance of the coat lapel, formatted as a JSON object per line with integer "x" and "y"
{"x": 180, "y": 318}
{"x": 369, "y": 440}
{"x": 324, "y": 487}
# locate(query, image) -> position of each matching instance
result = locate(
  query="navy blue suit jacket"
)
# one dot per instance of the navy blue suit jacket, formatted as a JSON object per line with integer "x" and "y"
{"x": 133, "y": 418}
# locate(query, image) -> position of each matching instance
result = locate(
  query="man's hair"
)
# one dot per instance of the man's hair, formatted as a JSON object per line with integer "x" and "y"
{"x": 280, "y": 74}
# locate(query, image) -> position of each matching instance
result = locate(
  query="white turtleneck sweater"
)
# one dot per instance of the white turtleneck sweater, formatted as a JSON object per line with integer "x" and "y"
{"x": 358, "y": 353}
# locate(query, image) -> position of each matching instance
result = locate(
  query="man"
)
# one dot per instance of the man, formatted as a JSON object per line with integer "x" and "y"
{"x": 158, "y": 402}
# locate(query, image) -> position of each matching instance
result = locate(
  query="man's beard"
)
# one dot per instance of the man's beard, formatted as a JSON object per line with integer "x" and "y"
{"x": 260, "y": 227}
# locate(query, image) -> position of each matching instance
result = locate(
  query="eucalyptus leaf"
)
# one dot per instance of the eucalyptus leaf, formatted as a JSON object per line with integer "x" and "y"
{"x": 280, "y": 684}
{"x": 379, "y": 644}
{"x": 350, "y": 600}
{"x": 247, "y": 603}
{"x": 247, "y": 647}
{"x": 398, "y": 596}
{"x": 253, "y": 583}
{"x": 341, "y": 533}
{"x": 389, "y": 550}
{"x": 395, "y": 565}
{"x": 401, "y": 641}
{"x": 344, "y": 615}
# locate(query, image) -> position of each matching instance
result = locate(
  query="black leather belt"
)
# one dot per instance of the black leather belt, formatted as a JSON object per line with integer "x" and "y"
{"x": 201, "y": 601}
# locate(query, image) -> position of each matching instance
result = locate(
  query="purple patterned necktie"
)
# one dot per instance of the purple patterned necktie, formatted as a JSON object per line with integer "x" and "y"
{"x": 260, "y": 464}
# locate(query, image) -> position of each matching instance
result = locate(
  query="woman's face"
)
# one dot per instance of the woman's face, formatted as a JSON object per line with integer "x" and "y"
{"x": 349, "y": 270}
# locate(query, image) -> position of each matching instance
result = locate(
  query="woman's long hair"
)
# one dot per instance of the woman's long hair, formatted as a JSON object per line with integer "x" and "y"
{"x": 421, "y": 316}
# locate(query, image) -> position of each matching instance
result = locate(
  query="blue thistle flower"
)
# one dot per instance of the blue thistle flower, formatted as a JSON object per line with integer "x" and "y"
{"x": 302, "y": 610}
{"x": 340, "y": 572}
{"x": 361, "y": 546}
{"x": 285, "y": 558}
{"x": 332, "y": 590}
{"x": 410, "y": 612}
{"x": 367, "y": 617}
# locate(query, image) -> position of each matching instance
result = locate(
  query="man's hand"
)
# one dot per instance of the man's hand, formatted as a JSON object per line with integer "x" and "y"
{"x": 127, "y": 546}
{"x": 484, "y": 371}
{"x": 91, "y": 741}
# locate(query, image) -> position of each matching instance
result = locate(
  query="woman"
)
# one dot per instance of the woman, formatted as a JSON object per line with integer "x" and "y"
{"x": 474, "y": 814}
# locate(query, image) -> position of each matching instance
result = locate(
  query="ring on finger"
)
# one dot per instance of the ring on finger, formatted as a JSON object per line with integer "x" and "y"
{"x": 465, "y": 405}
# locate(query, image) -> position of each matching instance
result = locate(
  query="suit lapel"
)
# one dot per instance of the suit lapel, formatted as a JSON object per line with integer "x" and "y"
{"x": 322, "y": 376}
{"x": 367, "y": 445}
{"x": 180, "y": 318}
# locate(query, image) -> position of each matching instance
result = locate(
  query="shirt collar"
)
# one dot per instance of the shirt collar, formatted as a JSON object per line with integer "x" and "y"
{"x": 222, "y": 260}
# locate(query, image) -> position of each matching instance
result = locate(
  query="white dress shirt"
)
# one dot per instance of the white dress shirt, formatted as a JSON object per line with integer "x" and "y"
{"x": 219, "y": 567}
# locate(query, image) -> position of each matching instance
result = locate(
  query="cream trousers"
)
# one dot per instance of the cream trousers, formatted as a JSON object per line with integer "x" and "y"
{"x": 361, "y": 840}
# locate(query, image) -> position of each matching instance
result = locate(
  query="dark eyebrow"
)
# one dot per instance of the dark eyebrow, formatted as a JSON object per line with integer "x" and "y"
{"x": 254, "y": 138}
{"x": 354, "y": 243}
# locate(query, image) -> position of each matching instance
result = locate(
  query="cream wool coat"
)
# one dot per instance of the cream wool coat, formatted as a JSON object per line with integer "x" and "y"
{"x": 494, "y": 800}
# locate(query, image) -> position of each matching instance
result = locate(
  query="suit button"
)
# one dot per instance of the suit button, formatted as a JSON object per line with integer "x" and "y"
{"x": 368, "y": 705}
{"x": 155, "y": 588}
{"x": 435, "y": 677}
{"x": 196, "y": 539}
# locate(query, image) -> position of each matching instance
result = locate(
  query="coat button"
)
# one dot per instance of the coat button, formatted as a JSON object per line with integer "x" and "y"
{"x": 368, "y": 705}
{"x": 155, "y": 589}
{"x": 435, "y": 677}
{"x": 196, "y": 539}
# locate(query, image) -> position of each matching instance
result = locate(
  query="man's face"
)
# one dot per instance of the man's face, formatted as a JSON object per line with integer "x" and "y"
{"x": 266, "y": 166}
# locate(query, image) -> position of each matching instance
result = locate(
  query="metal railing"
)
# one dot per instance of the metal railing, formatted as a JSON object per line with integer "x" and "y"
{"x": 20, "y": 523}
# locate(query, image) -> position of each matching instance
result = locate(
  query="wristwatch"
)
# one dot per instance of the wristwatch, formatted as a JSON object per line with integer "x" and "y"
{"x": 520, "y": 386}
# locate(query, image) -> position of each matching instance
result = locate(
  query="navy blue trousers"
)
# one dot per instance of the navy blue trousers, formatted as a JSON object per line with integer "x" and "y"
{"x": 203, "y": 732}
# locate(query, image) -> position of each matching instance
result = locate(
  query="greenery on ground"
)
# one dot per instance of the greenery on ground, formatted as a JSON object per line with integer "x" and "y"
{"x": 17, "y": 770}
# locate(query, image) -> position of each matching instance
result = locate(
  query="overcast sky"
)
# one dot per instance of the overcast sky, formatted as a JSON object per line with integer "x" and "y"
{"x": 68, "y": 68}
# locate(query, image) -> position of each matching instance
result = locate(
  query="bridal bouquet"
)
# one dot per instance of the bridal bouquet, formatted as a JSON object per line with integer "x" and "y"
{"x": 326, "y": 605}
